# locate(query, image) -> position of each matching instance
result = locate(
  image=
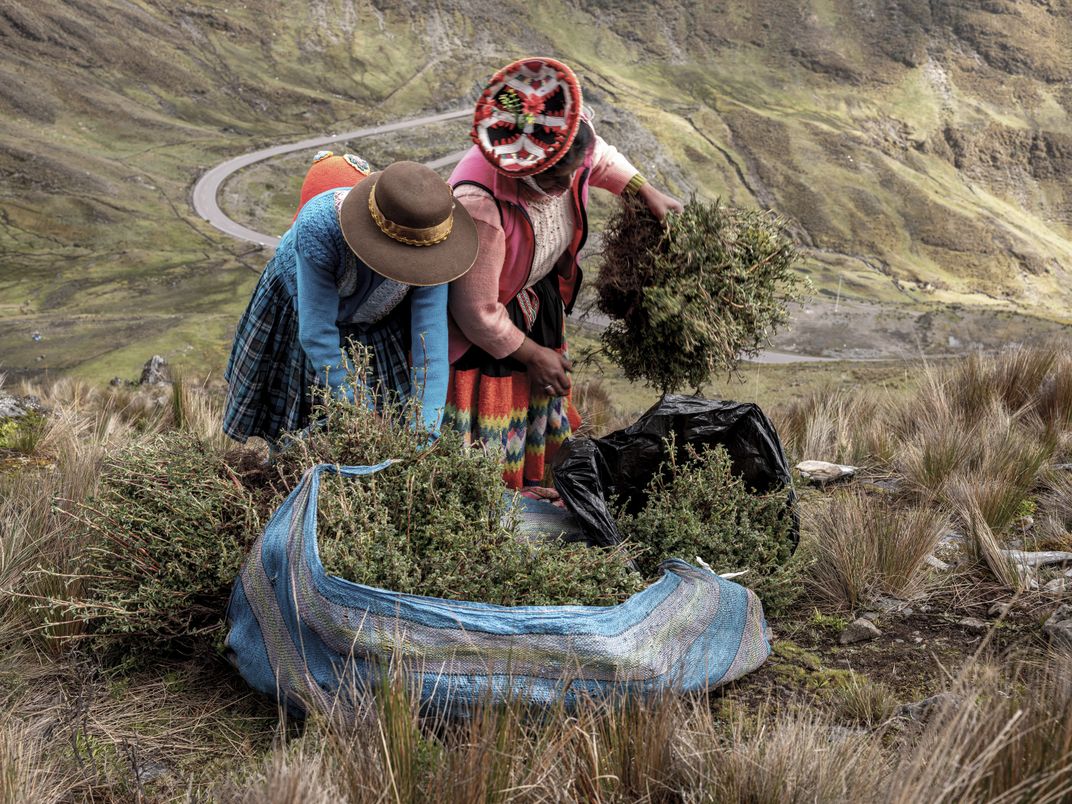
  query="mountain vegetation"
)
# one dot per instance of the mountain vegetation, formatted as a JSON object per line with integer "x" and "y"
{"x": 921, "y": 149}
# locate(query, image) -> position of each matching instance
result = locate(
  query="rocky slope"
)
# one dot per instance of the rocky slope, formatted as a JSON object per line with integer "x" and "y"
{"x": 921, "y": 148}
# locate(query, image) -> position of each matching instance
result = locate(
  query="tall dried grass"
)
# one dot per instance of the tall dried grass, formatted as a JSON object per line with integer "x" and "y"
{"x": 1007, "y": 738}
{"x": 1002, "y": 735}
{"x": 863, "y": 545}
{"x": 978, "y": 438}
{"x": 30, "y": 769}
{"x": 839, "y": 425}
{"x": 41, "y": 551}
{"x": 1055, "y": 511}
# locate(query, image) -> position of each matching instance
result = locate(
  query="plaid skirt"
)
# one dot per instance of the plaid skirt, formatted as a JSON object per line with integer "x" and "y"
{"x": 270, "y": 379}
{"x": 491, "y": 401}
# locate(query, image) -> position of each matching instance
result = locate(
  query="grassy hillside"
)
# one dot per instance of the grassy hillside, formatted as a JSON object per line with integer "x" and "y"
{"x": 922, "y": 149}
{"x": 915, "y": 659}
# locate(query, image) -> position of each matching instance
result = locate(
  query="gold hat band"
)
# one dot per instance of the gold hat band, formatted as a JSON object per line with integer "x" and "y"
{"x": 411, "y": 236}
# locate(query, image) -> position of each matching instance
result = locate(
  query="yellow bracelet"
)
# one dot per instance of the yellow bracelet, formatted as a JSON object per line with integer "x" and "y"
{"x": 634, "y": 185}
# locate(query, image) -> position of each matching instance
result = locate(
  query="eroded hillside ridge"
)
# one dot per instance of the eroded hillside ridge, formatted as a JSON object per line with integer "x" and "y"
{"x": 922, "y": 148}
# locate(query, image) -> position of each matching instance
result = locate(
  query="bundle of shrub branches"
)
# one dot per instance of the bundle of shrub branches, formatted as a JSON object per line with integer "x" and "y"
{"x": 700, "y": 508}
{"x": 165, "y": 537}
{"x": 689, "y": 297}
{"x": 174, "y": 518}
{"x": 438, "y": 522}
{"x": 440, "y": 525}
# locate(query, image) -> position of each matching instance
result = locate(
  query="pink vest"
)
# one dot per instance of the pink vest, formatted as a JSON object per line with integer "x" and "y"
{"x": 520, "y": 242}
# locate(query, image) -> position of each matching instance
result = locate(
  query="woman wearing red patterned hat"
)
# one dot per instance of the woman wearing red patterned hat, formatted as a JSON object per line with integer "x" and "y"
{"x": 329, "y": 171}
{"x": 525, "y": 183}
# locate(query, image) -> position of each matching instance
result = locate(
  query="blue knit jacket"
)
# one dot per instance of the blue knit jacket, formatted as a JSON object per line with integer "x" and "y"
{"x": 313, "y": 257}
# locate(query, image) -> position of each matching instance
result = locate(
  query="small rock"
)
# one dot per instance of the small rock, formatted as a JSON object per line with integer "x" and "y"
{"x": 1060, "y": 633}
{"x": 823, "y": 472}
{"x": 843, "y": 734}
{"x": 936, "y": 563}
{"x": 974, "y": 624}
{"x": 13, "y": 407}
{"x": 870, "y": 615}
{"x": 116, "y": 381}
{"x": 1039, "y": 559}
{"x": 887, "y": 484}
{"x": 151, "y": 771}
{"x": 999, "y": 610}
{"x": 888, "y": 604}
{"x": 951, "y": 539}
{"x": 1058, "y": 586}
{"x": 1062, "y": 612}
{"x": 919, "y": 710}
{"x": 859, "y": 630}
{"x": 907, "y": 611}
{"x": 154, "y": 372}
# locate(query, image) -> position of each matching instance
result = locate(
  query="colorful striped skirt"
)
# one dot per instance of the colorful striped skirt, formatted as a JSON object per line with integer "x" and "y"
{"x": 490, "y": 400}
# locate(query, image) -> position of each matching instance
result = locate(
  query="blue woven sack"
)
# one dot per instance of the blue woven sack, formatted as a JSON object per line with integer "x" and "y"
{"x": 307, "y": 637}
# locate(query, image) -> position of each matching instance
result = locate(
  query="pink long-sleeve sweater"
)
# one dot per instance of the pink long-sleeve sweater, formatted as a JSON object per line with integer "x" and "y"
{"x": 475, "y": 309}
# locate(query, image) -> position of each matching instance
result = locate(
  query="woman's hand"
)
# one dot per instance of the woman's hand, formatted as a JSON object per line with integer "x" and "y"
{"x": 548, "y": 369}
{"x": 659, "y": 202}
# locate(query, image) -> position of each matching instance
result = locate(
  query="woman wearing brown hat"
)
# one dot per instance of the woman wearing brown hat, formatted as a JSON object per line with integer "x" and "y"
{"x": 368, "y": 263}
{"x": 525, "y": 182}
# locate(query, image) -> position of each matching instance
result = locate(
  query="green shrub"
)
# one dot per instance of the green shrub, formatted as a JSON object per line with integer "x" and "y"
{"x": 164, "y": 539}
{"x": 689, "y": 297}
{"x": 699, "y": 508}
{"x": 22, "y": 434}
{"x": 438, "y": 522}
{"x": 440, "y": 525}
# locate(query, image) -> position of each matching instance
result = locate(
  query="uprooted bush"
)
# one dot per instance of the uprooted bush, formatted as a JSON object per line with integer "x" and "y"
{"x": 165, "y": 536}
{"x": 174, "y": 517}
{"x": 700, "y": 509}
{"x": 440, "y": 525}
{"x": 689, "y": 297}
{"x": 438, "y": 522}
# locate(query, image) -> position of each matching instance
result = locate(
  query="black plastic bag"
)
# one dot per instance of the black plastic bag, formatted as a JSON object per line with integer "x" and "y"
{"x": 590, "y": 472}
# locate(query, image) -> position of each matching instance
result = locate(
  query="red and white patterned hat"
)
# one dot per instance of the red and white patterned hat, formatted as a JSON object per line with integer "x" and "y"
{"x": 527, "y": 116}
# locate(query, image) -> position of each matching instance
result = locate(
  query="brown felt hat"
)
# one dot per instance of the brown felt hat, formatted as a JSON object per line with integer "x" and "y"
{"x": 404, "y": 224}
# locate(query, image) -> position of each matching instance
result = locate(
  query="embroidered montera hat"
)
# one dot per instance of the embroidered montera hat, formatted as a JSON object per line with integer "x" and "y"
{"x": 527, "y": 116}
{"x": 404, "y": 224}
{"x": 330, "y": 170}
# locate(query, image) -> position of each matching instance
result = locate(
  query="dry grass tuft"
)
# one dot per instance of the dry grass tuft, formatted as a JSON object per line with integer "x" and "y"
{"x": 1003, "y": 738}
{"x": 864, "y": 545}
{"x": 599, "y": 415}
{"x": 30, "y": 769}
{"x": 836, "y": 425}
{"x": 298, "y": 776}
{"x": 864, "y": 702}
{"x": 1013, "y": 380}
{"x": 1055, "y": 512}
{"x": 789, "y": 757}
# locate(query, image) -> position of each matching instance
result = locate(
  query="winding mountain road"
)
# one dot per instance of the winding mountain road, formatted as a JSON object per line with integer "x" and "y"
{"x": 205, "y": 195}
